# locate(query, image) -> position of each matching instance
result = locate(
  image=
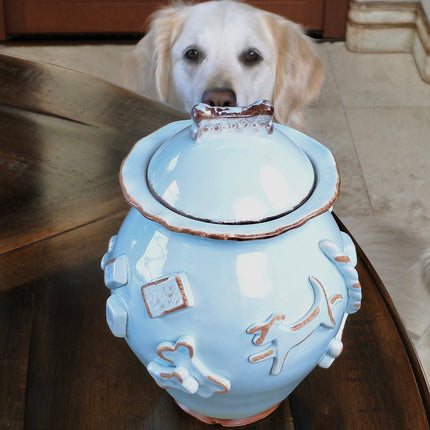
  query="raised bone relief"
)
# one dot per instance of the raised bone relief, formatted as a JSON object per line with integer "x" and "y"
{"x": 177, "y": 365}
{"x": 280, "y": 336}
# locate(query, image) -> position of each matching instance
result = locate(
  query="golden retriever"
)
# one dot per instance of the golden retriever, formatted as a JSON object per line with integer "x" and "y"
{"x": 225, "y": 53}
{"x": 228, "y": 53}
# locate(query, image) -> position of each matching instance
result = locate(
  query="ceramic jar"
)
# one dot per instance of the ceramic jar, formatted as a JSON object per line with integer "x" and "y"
{"x": 230, "y": 279}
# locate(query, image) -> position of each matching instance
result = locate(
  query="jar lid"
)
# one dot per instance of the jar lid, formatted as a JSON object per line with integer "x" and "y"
{"x": 231, "y": 167}
{"x": 230, "y": 174}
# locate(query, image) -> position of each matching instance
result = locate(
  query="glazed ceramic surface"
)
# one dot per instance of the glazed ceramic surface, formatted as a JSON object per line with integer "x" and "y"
{"x": 229, "y": 277}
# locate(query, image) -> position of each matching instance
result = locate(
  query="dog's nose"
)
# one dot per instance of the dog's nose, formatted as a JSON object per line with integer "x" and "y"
{"x": 219, "y": 97}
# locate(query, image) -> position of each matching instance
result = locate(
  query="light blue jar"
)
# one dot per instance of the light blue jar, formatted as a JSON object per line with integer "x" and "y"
{"x": 230, "y": 279}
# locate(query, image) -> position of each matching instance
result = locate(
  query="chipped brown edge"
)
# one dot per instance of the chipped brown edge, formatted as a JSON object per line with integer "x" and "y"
{"x": 164, "y": 348}
{"x": 226, "y": 236}
{"x": 265, "y": 328}
{"x": 261, "y": 108}
{"x": 225, "y": 388}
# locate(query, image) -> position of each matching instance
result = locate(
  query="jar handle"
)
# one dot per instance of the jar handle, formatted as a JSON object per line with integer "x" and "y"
{"x": 211, "y": 121}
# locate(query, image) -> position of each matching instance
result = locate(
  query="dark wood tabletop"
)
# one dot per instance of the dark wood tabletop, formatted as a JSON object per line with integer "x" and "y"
{"x": 63, "y": 136}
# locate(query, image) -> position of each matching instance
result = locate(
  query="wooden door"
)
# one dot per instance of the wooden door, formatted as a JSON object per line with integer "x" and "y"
{"x": 29, "y": 17}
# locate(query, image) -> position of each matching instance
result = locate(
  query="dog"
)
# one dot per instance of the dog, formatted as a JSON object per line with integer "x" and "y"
{"x": 225, "y": 53}
{"x": 228, "y": 53}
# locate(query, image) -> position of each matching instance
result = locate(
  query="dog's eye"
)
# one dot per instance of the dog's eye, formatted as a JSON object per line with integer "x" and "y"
{"x": 251, "y": 57}
{"x": 192, "y": 54}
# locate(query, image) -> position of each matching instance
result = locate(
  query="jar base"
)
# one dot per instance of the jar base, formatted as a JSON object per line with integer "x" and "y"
{"x": 234, "y": 422}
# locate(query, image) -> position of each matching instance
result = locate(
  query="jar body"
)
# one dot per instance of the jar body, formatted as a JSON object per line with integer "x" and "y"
{"x": 229, "y": 327}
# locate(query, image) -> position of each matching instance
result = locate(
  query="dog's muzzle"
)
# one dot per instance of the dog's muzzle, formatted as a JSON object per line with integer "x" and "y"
{"x": 225, "y": 97}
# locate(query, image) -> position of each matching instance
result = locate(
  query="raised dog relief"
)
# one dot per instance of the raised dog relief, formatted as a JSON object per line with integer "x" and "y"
{"x": 280, "y": 336}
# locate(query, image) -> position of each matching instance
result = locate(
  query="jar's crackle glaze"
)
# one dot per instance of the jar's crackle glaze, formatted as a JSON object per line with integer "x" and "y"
{"x": 229, "y": 278}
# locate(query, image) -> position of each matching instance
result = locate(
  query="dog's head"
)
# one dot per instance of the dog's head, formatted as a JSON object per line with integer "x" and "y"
{"x": 225, "y": 53}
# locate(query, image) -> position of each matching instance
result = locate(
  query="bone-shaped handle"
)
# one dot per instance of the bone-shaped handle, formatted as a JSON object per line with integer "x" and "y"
{"x": 211, "y": 121}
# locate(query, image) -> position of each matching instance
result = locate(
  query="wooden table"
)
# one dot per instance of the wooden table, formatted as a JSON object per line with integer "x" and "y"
{"x": 62, "y": 138}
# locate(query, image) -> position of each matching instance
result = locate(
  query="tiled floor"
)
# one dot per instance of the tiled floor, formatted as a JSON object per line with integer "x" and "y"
{"x": 374, "y": 114}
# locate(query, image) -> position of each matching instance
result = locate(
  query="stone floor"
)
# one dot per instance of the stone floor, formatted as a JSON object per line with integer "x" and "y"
{"x": 374, "y": 114}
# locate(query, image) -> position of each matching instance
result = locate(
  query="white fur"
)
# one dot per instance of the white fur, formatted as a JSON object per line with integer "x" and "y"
{"x": 290, "y": 73}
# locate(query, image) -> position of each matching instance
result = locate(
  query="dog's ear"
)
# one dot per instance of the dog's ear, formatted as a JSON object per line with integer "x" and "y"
{"x": 147, "y": 69}
{"x": 299, "y": 73}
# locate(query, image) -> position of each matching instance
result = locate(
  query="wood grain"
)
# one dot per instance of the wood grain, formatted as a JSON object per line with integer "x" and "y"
{"x": 63, "y": 140}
